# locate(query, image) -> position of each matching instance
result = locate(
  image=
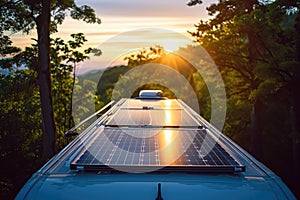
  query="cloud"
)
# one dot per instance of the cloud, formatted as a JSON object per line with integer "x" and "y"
{"x": 119, "y": 16}
{"x": 116, "y": 48}
{"x": 140, "y": 8}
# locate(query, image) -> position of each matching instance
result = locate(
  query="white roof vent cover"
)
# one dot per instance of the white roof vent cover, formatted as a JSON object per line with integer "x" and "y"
{"x": 146, "y": 94}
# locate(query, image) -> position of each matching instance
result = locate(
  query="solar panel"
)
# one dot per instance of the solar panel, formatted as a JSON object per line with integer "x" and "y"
{"x": 139, "y": 103}
{"x": 142, "y": 150}
{"x": 146, "y": 117}
{"x": 164, "y": 113}
{"x": 153, "y": 135}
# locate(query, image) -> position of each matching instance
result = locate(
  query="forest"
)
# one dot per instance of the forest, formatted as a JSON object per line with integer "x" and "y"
{"x": 255, "y": 45}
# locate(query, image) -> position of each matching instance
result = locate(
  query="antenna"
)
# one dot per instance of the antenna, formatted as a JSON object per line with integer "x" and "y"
{"x": 159, "y": 197}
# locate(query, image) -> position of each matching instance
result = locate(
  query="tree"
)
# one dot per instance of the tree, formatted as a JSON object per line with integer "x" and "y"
{"x": 239, "y": 49}
{"x": 152, "y": 68}
{"x": 295, "y": 97}
{"x": 6, "y": 48}
{"x": 256, "y": 46}
{"x": 20, "y": 107}
{"x": 144, "y": 56}
{"x": 64, "y": 58}
{"x": 25, "y": 15}
{"x": 20, "y": 118}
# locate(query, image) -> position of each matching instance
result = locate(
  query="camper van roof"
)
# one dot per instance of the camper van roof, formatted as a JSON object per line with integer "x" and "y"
{"x": 142, "y": 149}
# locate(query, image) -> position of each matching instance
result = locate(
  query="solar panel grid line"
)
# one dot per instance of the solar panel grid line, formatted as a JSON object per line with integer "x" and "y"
{"x": 116, "y": 156}
{"x": 125, "y": 159}
{"x": 107, "y": 154}
{"x": 193, "y": 118}
{"x": 198, "y": 139}
{"x": 123, "y": 144}
{"x": 149, "y": 154}
{"x": 176, "y": 161}
{"x": 150, "y": 149}
{"x": 223, "y": 159}
{"x": 84, "y": 146}
{"x": 142, "y": 152}
{"x": 136, "y": 146}
{"x": 193, "y": 140}
{"x": 101, "y": 146}
{"x": 188, "y": 155}
{"x": 116, "y": 153}
{"x": 206, "y": 149}
{"x": 216, "y": 133}
{"x": 94, "y": 160}
{"x": 211, "y": 157}
{"x": 230, "y": 159}
{"x": 108, "y": 148}
{"x": 197, "y": 150}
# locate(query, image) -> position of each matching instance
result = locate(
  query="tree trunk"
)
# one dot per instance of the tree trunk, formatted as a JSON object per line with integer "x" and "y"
{"x": 295, "y": 110}
{"x": 256, "y": 115}
{"x": 44, "y": 79}
{"x": 256, "y": 139}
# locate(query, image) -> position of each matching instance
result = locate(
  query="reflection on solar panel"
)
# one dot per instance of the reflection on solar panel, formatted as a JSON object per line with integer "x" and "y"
{"x": 162, "y": 149}
{"x": 164, "y": 113}
{"x": 144, "y": 136}
{"x": 155, "y": 104}
{"x": 142, "y": 117}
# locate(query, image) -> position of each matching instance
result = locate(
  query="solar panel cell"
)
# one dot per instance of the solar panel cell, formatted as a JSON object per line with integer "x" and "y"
{"x": 172, "y": 149}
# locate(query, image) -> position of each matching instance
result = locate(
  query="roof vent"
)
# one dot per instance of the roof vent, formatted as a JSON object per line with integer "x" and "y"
{"x": 151, "y": 94}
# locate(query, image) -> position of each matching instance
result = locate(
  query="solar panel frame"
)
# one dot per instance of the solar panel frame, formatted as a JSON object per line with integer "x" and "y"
{"x": 138, "y": 164}
{"x": 196, "y": 150}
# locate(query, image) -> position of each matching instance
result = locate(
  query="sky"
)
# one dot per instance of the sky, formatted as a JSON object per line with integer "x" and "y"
{"x": 129, "y": 25}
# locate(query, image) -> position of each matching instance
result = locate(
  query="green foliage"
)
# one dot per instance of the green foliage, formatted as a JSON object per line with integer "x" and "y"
{"x": 254, "y": 45}
{"x": 45, "y": 16}
{"x": 226, "y": 37}
{"x": 194, "y": 2}
{"x": 6, "y": 47}
{"x": 84, "y": 100}
{"x": 252, "y": 42}
{"x": 64, "y": 58}
{"x": 20, "y": 130}
{"x": 20, "y": 108}
{"x": 85, "y": 13}
{"x": 110, "y": 76}
{"x": 107, "y": 80}
{"x": 144, "y": 56}
{"x": 22, "y": 15}
{"x": 158, "y": 70}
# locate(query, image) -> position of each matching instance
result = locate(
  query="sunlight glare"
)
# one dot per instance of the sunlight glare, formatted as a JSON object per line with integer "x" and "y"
{"x": 168, "y": 136}
{"x": 168, "y": 146}
{"x": 172, "y": 44}
{"x": 168, "y": 117}
{"x": 168, "y": 103}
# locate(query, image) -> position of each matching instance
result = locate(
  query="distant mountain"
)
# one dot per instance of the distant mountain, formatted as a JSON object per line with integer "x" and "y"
{"x": 106, "y": 78}
{"x": 91, "y": 75}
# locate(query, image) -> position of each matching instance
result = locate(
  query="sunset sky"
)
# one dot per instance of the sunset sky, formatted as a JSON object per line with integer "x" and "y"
{"x": 128, "y": 25}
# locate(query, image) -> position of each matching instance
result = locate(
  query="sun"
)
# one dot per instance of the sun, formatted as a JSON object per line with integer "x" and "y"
{"x": 173, "y": 44}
